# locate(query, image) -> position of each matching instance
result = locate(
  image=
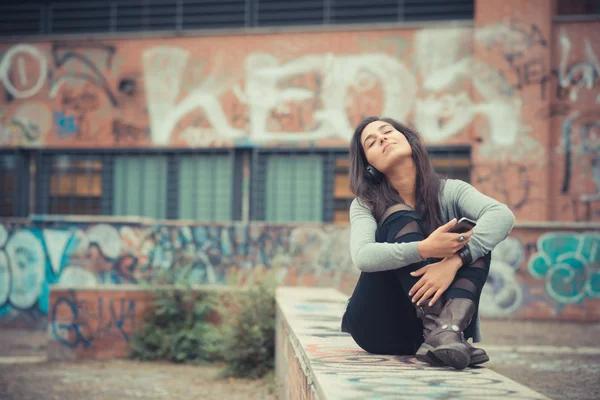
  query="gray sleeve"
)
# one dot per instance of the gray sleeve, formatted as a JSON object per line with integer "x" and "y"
{"x": 494, "y": 219}
{"x": 370, "y": 256}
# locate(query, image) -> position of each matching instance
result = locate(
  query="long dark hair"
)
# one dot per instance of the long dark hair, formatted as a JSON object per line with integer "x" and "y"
{"x": 381, "y": 195}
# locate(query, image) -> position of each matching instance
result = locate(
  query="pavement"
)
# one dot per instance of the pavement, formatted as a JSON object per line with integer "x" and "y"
{"x": 558, "y": 359}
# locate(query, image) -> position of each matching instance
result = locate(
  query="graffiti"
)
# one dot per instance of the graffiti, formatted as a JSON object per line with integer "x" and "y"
{"x": 32, "y": 258}
{"x": 447, "y": 109}
{"x": 127, "y": 133}
{"x": 79, "y": 322}
{"x": 84, "y": 255}
{"x": 502, "y": 294}
{"x": 79, "y": 64}
{"x": 65, "y": 126}
{"x": 28, "y": 125}
{"x": 56, "y": 242}
{"x": 583, "y": 74}
{"x": 570, "y": 265}
{"x": 127, "y": 86}
{"x": 339, "y": 365}
{"x": 511, "y": 34}
{"x": 512, "y": 184}
{"x": 340, "y": 74}
{"x": 26, "y": 257}
{"x": 163, "y": 77}
{"x": 26, "y": 58}
{"x": 584, "y": 146}
{"x": 34, "y": 120}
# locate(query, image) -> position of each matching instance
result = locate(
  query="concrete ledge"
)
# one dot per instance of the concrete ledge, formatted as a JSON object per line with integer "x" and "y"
{"x": 314, "y": 360}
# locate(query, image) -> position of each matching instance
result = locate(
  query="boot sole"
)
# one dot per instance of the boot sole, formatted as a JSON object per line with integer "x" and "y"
{"x": 479, "y": 360}
{"x": 424, "y": 354}
{"x": 451, "y": 356}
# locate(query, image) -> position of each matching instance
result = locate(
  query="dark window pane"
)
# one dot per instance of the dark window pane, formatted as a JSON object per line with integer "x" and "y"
{"x": 75, "y": 185}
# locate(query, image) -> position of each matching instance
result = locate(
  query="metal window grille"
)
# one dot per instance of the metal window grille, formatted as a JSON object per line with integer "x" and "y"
{"x": 452, "y": 162}
{"x": 23, "y": 17}
{"x": 277, "y": 169}
{"x": 156, "y": 184}
{"x": 293, "y": 185}
{"x": 578, "y": 7}
{"x": 14, "y": 184}
{"x": 203, "y": 185}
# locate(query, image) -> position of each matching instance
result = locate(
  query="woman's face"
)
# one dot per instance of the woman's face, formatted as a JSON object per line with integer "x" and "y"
{"x": 384, "y": 145}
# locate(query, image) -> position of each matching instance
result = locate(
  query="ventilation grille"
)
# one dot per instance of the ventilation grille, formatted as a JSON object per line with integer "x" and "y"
{"x": 97, "y": 16}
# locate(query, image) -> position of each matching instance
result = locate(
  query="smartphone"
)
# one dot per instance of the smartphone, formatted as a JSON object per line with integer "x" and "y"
{"x": 463, "y": 225}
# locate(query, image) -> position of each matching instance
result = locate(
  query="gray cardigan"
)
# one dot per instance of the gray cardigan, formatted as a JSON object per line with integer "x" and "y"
{"x": 458, "y": 199}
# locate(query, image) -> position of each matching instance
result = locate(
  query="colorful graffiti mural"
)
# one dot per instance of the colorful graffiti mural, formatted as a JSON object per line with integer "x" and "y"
{"x": 83, "y": 255}
{"x": 569, "y": 264}
{"x": 563, "y": 266}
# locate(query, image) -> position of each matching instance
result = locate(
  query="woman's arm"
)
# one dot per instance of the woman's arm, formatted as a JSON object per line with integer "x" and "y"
{"x": 370, "y": 256}
{"x": 494, "y": 219}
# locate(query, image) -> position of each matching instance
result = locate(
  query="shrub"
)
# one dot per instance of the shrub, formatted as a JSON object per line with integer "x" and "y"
{"x": 177, "y": 328}
{"x": 249, "y": 331}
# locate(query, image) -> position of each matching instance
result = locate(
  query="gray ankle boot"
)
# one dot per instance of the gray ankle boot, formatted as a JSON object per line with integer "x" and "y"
{"x": 431, "y": 320}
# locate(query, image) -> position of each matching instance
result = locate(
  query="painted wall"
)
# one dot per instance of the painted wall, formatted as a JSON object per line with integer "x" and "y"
{"x": 575, "y": 119}
{"x": 535, "y": 273}
{"x": 94, "y": 323}
{"x": 493, "y": 86}
{"x": 522, "y": 90}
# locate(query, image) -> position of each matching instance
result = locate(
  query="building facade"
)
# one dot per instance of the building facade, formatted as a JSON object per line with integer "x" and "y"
{"x": 128, "y": 155}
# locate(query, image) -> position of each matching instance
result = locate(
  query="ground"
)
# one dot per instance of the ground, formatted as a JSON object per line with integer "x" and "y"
{"x": 559, "y": 360}
{"x": 24, "y": 375}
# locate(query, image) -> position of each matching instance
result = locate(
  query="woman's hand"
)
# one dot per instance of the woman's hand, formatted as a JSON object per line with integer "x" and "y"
{"x": 435, "y": 279}
{"x": 441, "y": 243}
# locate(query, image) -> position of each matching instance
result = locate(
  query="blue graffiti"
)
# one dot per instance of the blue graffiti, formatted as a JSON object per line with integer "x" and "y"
{"x": 65, "y": 125}
{"x": 570, "y": 265}
{"x": 72, "y": 326}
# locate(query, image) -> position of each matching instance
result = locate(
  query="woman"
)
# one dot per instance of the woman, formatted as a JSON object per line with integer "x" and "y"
{"x": 420, "y": 284}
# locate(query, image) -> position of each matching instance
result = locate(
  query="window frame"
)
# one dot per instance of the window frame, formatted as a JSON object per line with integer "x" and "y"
{"x": 20, "y": 201}
{"x": 258, "y": 177}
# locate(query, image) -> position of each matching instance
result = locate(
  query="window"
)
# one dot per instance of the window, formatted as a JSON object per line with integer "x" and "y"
{"x": 206, "y": 187}
{"x": 291, "y": 185}
{"x": 140, "y": 186}
{"x": 75, "y": 185}
{"x": 342, "y": 194}
{"x": 452, "y": 162}
{"x": 294, "y": 188}
{"x": 449, "y": 162}
{"x": 202, "y": 185}
{"x": 14, "y": 184}
{"x": 578, "y": 7}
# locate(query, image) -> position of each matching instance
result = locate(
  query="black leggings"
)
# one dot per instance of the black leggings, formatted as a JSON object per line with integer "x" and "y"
{"x": 380, "y": 315}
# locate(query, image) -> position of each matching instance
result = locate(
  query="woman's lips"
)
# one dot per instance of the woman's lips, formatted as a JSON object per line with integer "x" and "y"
{"x": 387, "y": 146}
